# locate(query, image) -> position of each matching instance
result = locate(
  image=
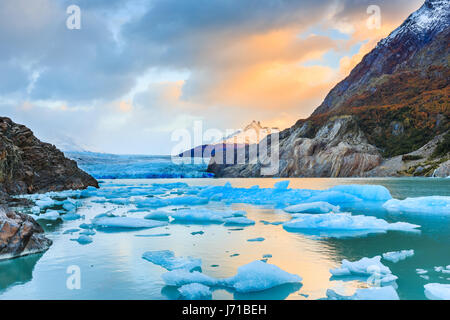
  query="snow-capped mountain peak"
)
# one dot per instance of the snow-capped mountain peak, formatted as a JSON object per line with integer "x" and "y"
{"x": 432, "y": 17}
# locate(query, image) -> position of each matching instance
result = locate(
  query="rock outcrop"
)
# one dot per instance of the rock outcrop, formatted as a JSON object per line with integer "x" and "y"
{"x": 20, "y": 235}
{"x": 28, "y": 165}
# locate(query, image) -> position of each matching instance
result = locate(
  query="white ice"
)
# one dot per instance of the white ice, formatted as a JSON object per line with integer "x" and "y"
{"x": 312, "y": 207}
{"x": 374, "y": 293}
{"x": 437, "y": 291}
{"x": 167, "y": 260}
{"x": 365, "y": 267}
{"x": 126, "y": 222}
{"x": 344, "y": 222}
{"x": 195, "y": 291}
{"x": 427, "y": 205}
{"x": 396, "y": 256}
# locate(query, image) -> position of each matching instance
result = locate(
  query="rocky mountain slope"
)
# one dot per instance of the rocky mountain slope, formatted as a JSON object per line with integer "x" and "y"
{"x": 393, "y": 103}
{"x": 28, "y": 165}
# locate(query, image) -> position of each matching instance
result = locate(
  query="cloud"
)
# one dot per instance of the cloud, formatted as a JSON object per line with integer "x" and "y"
{"x": 138, "y": 69}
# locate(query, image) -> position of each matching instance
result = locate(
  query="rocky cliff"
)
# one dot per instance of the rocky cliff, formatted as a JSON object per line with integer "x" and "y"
{"x": 28, "y": 165}
{"x": 378, "y": 120}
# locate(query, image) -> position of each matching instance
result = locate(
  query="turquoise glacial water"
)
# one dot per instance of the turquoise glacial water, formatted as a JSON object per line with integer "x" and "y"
{"x": 111, "y": 267}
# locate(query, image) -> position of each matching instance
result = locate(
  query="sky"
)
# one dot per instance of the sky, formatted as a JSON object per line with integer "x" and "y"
{"x": 138, "y": 70}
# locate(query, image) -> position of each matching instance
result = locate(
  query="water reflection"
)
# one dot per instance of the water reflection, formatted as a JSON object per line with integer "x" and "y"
{"x": 17, "y": 271}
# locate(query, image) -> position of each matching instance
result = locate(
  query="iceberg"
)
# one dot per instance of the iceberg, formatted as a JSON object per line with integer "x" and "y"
{"x": 428, "y": 205}
{"x": 437, "y": 291}
{"x": 195, "y": 291}
{"x": 126, "y": 223}
{"x": 205, "y": 215}
{"x": 365, "y": 192}
{"x": 182, "y": 277}
{"x": 252, "y": 277}
{"x": 167, "y": 260}
{"x": 49, "y": 215}
{"x": 83, "y": 239}
{"x": 366, "y": 267}
{"x": 312, "y": 207}
{"x": 421, "y": 271}
{"x": 158, "y": 215}
{"x": 373, "y": 293}
{"x": 259, "y": 276}
{"x": 397, "y": 256}
{"x": 260, "y": 239}
{"x": 344, "y": 222}
{"x": 238, "y": 221}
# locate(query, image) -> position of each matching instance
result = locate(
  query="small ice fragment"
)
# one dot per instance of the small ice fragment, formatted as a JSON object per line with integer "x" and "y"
{"x": 70, "y": 231}
{"x": 182, "y": 277}
{"x": 70, "y": 216}
{"x": 365, "y": 267}
{"x": 88, "y": 232}
{"x": 256, "y": 239}
{"x": 197, "y": 232}
{"x": 375, "y": 293}
{"x": 49, "y": 215}
{"x": 421, "y": 271}
{"x": 195, "y": 291}
{"x": 281, "y": 185}
{"x": 437, "y": 291}
{"x": 86, "y": 226}
{"x": 397, "y": 256}
{"x": 234, "y": 255}
{"x": 83, "y": 239}
{"x": 153, "y": 235}
{"x": 425, "y": 277}
{"x": 127, "y": 223}
{"x": 167, "y": 260}
{"x": 259, "y": 276}
{"x": 239, "y": 221}
{"x": 158, "y": 215}
{"x": 313, "y": 207}
{"x": 267, "y": 255}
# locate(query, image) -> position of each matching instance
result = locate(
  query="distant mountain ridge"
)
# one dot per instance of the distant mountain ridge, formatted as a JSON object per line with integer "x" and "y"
{"x": 252, "y": 133}
{"x": 393, "y": 103}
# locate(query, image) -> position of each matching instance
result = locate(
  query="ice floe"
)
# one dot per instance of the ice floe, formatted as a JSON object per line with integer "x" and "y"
{"x": 195, "y": 291}
{"x": 396, "y": 256}
{"x": 83, "y": 239}
{"x": 344, "y": 224}
{"x": 312, "y": 207}
{"x": 126, "y": 223}
{"x": 374, "y": 293}
{"x": 167, "y": 260}
{"x": 238, "y": 221}
{"x": 366, "y": 267}
{"x": 49, "y": 215}
{"x": 158, "y": 215}
{"x": 252, "y": 277}
{"x": 427, "y": 205}
{"x": 259, "y": 239}
{"x": 437, "y": 291}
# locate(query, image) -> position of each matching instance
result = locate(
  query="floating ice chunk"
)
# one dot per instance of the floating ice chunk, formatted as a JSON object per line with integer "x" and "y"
{"x": 365, "y": 267}
{"x": 421, "y": 271}
{"x": 268, "y": 255}
{"x": 70, "y": 231}
{"x": 71, "y": 216}
{"x": 312, "y": 207}
{"x": 127, "y": 223}
{"x": 49, "y": 215}
{"x": 375, "y": 293}
{"x": 167, "y": 260}
{"x": 334, "y": 198}
{"x": 424, "y": 277}
{"x": 153, "y": 235}
{"x": 259, "y": 276}
{"x": 182, "y": 277}
{"x": 281, "y": 185}
{"x": 239, "y": 221}
{"x": 83, "y": 239}
{"x": 428, "y": 205}
{"x": 45, "y": 202}
{"x": 36, "y": 210}
{"x": 69, "y": 204}
{"x": 437, "y": 291}
{"x": 86, "y": 226}
{"x": 256, "y": 240}
{"x": 197, "y": 232}
{"x": 344, "y": 222}
{"x": 173, "y": 185}
{"x": 204, "y": 215}
{"x": 158, "y": 215}
{"x": 365, "y": 192}
{"x": 195, "y": 291}
{"x": 88, "y": 232}
{"x": 397, "y": 256}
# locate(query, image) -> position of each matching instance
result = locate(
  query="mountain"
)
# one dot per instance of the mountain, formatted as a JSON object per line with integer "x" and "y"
{"x": 253, "y": 133}
{"x": 377, "y": 121}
